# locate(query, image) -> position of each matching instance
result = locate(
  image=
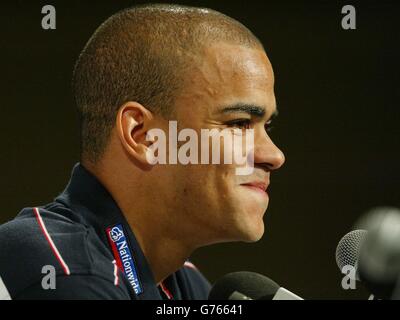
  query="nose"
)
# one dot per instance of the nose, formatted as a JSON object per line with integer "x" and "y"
{"x": 267, "y": 154}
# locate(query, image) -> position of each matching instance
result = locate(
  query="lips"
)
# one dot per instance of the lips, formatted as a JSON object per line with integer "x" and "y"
{"x": 258, "y": 185}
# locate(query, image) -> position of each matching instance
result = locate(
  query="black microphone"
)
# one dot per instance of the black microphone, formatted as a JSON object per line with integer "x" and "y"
{"x": 379, "y": 258}
{"x": 374, "y": 252}
{"x": 244, "y": 285}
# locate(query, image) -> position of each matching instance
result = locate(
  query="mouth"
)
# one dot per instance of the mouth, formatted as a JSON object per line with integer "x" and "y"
{"x": 258, "y": 186}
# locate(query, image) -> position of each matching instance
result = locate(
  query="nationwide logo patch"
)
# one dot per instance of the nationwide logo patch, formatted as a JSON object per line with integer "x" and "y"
{"x": 123, "y": 256}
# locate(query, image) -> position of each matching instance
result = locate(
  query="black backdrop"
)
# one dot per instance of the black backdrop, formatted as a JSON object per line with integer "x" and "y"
{"x": 338, "y": 96}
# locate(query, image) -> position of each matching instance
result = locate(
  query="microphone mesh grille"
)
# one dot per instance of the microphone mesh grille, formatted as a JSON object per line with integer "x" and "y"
{"x": 348, "y": 249}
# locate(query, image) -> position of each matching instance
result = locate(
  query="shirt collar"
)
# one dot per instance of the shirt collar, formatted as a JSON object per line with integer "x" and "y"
{"x": 89, "y": 199}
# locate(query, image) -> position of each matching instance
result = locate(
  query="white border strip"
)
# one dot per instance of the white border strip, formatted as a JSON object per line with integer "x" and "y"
{"x": 50, "y": 241}
{"x": 190, "y": 265}
{"x": 115, "y": 273}
{"x": 4, "y": 294}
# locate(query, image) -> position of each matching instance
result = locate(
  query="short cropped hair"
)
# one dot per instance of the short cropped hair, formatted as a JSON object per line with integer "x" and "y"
{"x": 142, "y": 54}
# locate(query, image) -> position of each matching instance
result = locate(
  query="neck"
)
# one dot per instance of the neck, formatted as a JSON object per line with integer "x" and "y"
{"x": 165, "y": 254}
{"x": 164, "y": 247}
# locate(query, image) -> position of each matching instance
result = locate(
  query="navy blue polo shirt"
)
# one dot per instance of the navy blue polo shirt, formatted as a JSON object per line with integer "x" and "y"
{"x": 83, "y": 240}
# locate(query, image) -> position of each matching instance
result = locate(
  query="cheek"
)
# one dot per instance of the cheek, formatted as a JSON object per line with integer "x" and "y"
{"x": 237, "y": 152}
{"x": 194, "y": 180}
{"x": 207, "y": 185}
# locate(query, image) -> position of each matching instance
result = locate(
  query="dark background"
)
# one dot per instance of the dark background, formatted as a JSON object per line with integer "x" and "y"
{"x": 338, "y": 96}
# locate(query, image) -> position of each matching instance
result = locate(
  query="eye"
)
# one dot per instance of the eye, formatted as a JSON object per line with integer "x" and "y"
{"x": 240, "y": 123}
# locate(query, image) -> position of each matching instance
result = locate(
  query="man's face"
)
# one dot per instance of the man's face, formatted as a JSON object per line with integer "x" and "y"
{"x": 229, "y": 87}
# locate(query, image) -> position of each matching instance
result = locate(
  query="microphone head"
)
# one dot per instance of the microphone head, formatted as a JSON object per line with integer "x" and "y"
{"x": 250, "y": 284}
{"x": 379, "y": 260}
{"x": 348, "y": 248}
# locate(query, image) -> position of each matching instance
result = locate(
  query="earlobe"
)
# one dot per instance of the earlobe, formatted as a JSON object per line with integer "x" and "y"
{"x": 132, "y": 125}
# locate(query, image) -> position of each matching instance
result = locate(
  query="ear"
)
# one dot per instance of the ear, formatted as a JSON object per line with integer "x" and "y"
{"x": 132, "y": 123}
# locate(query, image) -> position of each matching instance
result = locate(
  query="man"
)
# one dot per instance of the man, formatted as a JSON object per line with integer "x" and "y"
{"x": 124, "y": 227}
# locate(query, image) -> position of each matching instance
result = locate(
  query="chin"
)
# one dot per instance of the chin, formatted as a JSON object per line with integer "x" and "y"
{"x": 246, "y": 222}
{"x": 241, "y": 234}
{"x": 254, "y": 236}
{"x": 252, "y": 223}
{"x": 252, "y": 231}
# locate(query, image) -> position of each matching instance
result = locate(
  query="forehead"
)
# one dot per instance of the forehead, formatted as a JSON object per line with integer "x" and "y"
{"x": 230, "y": 60}
{"x": 225, "y": 74}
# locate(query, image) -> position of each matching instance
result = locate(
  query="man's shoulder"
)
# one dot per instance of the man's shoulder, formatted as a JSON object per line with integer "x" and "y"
{"x": 39, "y": 234}
{"x": 47, "y": 238}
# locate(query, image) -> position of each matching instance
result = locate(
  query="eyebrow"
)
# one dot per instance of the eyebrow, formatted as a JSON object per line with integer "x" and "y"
{"x": 251, "y": 109}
